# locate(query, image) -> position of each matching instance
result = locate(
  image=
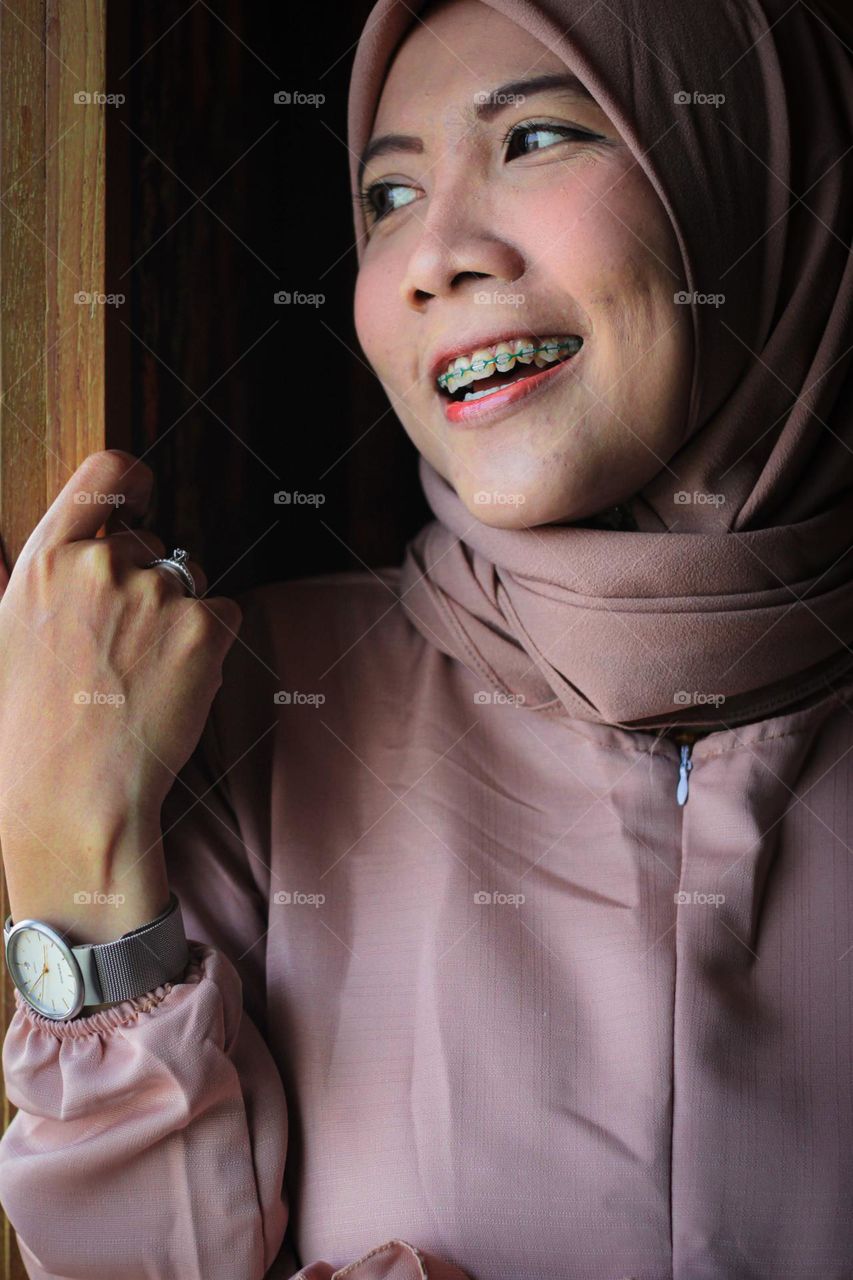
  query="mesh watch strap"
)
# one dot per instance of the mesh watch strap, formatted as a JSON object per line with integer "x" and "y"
{"x": 146, "y": 957}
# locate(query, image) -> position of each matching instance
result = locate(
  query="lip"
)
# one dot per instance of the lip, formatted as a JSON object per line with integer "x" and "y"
{"x": 503, "y": 403}
{"x": 439, "y": 362}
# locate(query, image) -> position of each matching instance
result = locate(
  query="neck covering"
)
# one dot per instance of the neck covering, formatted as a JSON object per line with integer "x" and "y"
{"x": 706, "y": 612}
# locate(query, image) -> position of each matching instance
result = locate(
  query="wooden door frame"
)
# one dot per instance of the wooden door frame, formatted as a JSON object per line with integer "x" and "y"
{"x": 52, "y": 250}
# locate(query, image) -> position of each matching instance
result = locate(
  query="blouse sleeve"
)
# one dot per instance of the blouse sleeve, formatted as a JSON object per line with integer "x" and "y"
{"x": 150, "y": 1138}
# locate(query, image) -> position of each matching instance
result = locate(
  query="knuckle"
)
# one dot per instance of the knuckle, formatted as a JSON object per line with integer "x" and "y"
{"x": 37, "y": 572}
{"x": 160, "y": 587}
{"x": 234, "y": 614}
{"x": 227, "y": 613}
{"x": 141, "y": 542}
{"x": 199, "y": 625}
{"x": 100, "y": 561}
{"x": 43, "y": 561}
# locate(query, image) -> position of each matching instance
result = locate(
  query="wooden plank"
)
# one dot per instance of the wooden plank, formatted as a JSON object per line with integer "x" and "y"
{"x": 52, "y": 197}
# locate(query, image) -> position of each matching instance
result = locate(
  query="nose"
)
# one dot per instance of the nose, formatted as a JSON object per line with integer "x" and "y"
{"x": 453, "y": 252}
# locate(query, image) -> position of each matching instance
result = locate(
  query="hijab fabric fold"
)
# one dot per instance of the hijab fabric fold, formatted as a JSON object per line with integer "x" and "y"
{"x": 737, "y": 603}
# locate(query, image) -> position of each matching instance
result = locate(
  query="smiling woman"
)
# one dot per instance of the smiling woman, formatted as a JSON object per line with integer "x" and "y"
{"x": 618, "y": 270}
{"x": 488, "y": 977}
{"x": 505, "y": 215}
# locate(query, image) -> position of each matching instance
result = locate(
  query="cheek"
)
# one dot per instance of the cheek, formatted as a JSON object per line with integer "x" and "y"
{"x": 367, "y": 311}
{"x": 376, "y": 315}
{"x": 605, "y": 239}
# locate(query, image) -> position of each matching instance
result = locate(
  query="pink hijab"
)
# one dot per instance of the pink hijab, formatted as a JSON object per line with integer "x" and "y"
{"x": 748, "y": 600}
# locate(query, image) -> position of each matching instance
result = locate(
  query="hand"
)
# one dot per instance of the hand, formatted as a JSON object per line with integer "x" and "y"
{"x": 107, "y": 669}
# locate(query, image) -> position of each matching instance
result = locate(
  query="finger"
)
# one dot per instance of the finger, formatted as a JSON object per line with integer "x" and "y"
{"x": 139, "y": 545}
{"x": 198, "y": 574}
{"x": 127, "y": 516}
{"x": 4, "y": 574}
{"x": 104, "y": 481}
{"x": 228, "y": 613}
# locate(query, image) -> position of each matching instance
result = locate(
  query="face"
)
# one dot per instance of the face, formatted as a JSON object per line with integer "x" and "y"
{"x": 518, "y": 216}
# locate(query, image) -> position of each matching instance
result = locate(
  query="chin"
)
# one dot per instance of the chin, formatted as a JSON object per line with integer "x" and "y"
{"x": 510, "y": 509}
{"x": 501, "y": 517}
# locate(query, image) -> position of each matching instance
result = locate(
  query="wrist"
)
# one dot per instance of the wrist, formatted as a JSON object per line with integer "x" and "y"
{"x": 95, "y": 888}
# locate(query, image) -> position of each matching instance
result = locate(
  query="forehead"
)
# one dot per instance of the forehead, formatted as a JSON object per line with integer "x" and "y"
{"x": 459, "y": 50}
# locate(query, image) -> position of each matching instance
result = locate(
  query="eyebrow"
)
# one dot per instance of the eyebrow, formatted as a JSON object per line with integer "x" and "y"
{"x": 486, "y": 107}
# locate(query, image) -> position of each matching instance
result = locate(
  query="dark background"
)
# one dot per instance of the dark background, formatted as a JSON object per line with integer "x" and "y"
{"x": 202, "y": 365}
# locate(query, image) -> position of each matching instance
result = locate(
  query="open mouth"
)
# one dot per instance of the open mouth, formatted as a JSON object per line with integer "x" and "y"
{"x": 487, "y": 373}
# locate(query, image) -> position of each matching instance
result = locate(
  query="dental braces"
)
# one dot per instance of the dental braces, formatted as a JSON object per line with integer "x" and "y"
{"x": 479, "y": 365}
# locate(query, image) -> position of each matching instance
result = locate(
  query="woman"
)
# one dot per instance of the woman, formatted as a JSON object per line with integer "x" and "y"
{"x": 494, "y": 973}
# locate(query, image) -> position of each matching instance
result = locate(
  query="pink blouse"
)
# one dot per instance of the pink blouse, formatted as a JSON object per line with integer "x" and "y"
{"x": 470, "y": 994}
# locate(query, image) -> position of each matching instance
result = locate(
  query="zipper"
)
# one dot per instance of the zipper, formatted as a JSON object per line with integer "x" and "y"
{"x": 686, "y": 764}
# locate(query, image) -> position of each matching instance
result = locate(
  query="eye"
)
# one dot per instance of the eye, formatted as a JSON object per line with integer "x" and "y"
{"x": 371, "y": 199}
{"x": 541, "y": 129}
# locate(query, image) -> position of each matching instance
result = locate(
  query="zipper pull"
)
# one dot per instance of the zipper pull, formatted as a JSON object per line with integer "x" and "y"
{"x": 683, "y": 770}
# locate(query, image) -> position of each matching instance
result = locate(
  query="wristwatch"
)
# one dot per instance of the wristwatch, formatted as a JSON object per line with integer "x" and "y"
{"x": 60, "y": 981}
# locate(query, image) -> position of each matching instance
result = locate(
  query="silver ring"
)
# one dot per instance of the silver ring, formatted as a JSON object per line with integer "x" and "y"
{"x": 176, "y": 563}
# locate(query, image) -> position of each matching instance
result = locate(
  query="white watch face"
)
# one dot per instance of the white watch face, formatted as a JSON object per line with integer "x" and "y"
{"x": 41, "y": 971}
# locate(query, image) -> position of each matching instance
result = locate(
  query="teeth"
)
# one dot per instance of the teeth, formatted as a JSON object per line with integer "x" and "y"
{"x": 503, "y": 357}
{"x": 490, "y": 391}
{"x": 462, "y": 374}
{"x": 482, "y": 363}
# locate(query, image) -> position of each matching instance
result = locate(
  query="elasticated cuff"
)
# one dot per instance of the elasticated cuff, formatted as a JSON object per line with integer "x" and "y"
{"x": 125, "y": 1011}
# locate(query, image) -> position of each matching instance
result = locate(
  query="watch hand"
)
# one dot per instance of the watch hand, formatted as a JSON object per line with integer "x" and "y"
{"x": 39, "y": 978}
